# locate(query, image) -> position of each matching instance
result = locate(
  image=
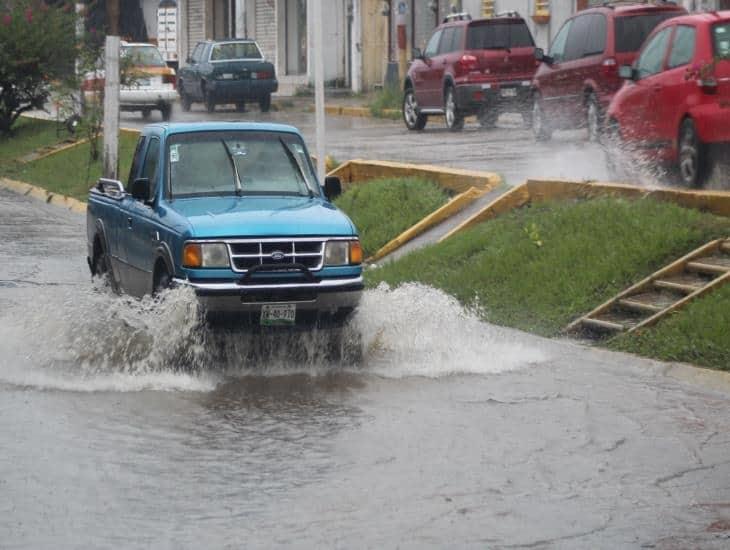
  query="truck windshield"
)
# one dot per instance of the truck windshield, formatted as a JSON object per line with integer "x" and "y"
{"x": 239, "y": 163}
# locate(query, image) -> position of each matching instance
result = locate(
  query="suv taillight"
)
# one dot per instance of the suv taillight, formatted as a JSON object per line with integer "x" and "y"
{"x": 609, "y": 68}
{"x": 169, "y": 79}
{"x": 467, "y": 63}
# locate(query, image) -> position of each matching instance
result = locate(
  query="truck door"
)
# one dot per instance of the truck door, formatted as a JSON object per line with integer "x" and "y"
{"x": 117, "y": 232}
{"x": 142, "y": 223}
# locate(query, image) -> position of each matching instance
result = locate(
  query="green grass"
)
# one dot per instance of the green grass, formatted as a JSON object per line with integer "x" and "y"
{"x": 67, "y": 172}
{"x": 699, "y": 334}
{"x": 390, "y": 97}
{"x": 540, "y": 267}
{"x": 70, "y": 173}
{"x": 28, "y": 135}
{"x": 382, "y": 209}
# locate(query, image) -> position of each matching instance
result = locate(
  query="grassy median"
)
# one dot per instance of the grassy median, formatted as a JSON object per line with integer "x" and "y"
{"x": 383, "y": 208}
{"x": 540, "y": 267}
{"x": 69, "y": 172}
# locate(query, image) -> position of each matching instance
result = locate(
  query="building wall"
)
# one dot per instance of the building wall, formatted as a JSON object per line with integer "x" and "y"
{"x": 195, "y": 24}
{"x": 265, "y": 28}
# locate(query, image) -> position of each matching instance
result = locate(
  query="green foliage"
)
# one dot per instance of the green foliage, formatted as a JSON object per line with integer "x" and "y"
{"x": 382, "y": 209}
{"x": 589, "y": 251}
{"x": 37, "y": 45}
{"x": 697, "y": 334}
{"x": 389, "y": 98}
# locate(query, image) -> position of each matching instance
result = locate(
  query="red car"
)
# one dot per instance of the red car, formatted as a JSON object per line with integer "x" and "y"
{"x": 676, "y": 99}
{"x": 481, "y": 67}
{"x": 576, "y": 81}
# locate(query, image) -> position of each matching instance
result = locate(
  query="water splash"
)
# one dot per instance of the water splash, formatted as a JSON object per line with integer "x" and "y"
{"x": 92, "y": 340}
{"x": 416, "y": 330}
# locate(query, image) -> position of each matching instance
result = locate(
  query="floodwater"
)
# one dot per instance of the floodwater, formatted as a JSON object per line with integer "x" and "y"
{"x": 124, "y": 425}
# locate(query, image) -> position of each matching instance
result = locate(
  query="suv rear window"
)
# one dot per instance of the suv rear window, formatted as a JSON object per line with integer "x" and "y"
{"x": 721, "y": 39}
{"x": 632, "y": 30}
{"x": 504, "y": 34}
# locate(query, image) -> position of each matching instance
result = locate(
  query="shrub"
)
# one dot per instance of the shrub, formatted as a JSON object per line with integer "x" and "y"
{"x": 37, "y": 45}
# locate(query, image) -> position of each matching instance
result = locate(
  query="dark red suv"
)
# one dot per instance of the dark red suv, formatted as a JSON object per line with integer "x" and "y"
{"x": 676, "y": 100}
{"x": 576, "y": 81}
{"x": 481, "y": 67}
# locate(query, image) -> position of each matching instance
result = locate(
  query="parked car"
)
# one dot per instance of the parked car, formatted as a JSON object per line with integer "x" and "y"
{"x": 148, "y": 85}
{"x": 577, "y": 79}
{"x": 230, "y": 71}
{"x": 481, "y": 66}
{"x": 675, "y": 102}
{"x": 235, "y": 212}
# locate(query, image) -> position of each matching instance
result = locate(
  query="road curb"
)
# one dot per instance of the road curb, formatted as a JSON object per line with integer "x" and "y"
{"x": 29, "y": 190}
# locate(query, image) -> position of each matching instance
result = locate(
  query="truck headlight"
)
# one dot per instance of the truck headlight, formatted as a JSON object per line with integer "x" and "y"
{"x": 205, "y": 255}
{"x": 343, "y": 253}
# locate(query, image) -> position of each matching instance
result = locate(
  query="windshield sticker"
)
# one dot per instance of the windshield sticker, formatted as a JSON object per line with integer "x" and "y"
{"x": 239, "y": 150}
{"x": 174, "y": 153}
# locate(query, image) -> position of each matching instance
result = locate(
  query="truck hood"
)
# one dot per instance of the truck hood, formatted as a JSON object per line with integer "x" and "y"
{"x": 247, "y": 216}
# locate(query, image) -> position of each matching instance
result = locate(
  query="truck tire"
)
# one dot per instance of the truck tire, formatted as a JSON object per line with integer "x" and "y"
{"x": 166, "y": 111}
{"x": 209, "y": 101}
{"x": 412, "y": 118}
{"x": 454, "y": 119}
{"x": 265, "y": 103}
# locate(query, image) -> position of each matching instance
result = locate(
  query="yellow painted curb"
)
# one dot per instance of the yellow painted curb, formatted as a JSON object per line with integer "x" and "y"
{"x": 453, "y": 179}
{"x": 39, "y": 193}
{"x": 452, "y": 207}
{"x": 715, "y": 202}
{"x": 514, "y": 198}
{"x": 59, "y": 149}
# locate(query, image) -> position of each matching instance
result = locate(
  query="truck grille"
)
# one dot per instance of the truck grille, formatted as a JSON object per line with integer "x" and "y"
{"x": 248, "y": 253}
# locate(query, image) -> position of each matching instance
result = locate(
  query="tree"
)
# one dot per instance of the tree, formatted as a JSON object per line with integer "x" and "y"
{"x": 37, "y": 49}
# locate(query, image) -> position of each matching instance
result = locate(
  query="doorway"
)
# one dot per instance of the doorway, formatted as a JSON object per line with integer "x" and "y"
{"x": 295, "y": 36}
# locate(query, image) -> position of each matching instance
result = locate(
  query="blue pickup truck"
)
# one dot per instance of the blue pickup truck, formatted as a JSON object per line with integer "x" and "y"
{"x": 235, "y": 211}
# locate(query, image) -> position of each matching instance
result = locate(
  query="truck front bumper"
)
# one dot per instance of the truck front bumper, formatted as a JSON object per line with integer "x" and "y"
{"x": 323, "y": 300}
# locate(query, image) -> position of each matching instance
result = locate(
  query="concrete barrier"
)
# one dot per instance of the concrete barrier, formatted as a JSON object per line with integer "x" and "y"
{"x": 534, "y": 191}
{"x": 453, "y": 179}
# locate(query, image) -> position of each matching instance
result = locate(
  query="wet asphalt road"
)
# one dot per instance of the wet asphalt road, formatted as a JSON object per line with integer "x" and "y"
{"x": 513, "y": 154}
{"x": 450, "y": 433}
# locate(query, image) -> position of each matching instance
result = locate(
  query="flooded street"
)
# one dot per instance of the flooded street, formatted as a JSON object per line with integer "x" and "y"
{"x": 124, "y": 425}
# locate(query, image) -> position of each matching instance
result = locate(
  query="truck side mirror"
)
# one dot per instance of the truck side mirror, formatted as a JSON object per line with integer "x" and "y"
{"x": 141, "y": 189}
{"x": 332, "y": 187}
{"x": 113, "y": 188}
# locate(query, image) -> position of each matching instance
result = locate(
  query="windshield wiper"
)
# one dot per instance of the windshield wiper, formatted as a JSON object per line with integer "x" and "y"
{"x": 293, "y": 160}
{"x": 239, "y": 189}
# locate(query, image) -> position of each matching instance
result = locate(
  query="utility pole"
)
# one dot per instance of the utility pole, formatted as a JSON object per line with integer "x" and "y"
{"x": 112, "y": 17}
{"x": 318, "y": 86}
{"x": 111, "y": 108}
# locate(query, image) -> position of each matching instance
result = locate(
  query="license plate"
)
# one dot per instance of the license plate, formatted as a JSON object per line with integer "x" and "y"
{"x": 227, "y": 76}
{"x": 278, "y": 314}
{"x": 508, "y": 92}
